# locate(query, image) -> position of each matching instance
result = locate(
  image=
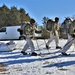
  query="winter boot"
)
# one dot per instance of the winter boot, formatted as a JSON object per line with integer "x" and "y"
{"x": 34, "y": 54}
{"x": 58, "y": 47}
{"x": 63, "y": 53}
{"x": 24, "y": 53}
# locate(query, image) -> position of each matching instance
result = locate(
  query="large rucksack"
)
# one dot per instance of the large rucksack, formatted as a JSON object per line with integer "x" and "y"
{"x": 49, "y": 25}
{"x": 26, "y": 28}
{"x": 71, "y": 27}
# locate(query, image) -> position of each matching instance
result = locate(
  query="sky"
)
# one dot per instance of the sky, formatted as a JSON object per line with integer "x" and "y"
{"x": 37, "y": 9}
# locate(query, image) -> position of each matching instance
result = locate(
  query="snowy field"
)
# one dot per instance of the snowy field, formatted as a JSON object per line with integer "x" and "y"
{"x": 50, "y": 62}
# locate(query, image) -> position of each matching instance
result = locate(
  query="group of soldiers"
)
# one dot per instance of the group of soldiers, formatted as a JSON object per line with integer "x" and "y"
{"x": 28, "y": 30}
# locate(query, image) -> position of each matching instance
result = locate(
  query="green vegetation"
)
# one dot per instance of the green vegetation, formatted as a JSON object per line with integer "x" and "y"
{"x": 12, "y": 16}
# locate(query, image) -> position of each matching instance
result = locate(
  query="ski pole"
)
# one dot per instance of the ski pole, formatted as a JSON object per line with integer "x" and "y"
{"x": 38, "y": 46}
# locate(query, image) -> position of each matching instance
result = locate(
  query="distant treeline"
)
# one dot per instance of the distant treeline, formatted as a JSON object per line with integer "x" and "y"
{"x": 12, "y": 16}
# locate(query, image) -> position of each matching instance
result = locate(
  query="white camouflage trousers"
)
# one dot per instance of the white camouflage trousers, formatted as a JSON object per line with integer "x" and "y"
{"x": 28, "y": 44}
{"x": 52, "y": 37}
{"x": 68, "y": 44}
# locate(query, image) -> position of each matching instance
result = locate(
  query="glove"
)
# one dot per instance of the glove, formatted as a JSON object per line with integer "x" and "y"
{"x": 20, "y": 31}
{"x": 38, "y": 32}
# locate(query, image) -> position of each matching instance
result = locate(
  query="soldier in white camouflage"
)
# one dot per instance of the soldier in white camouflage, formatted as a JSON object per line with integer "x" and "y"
{"x": 54, "y": 34}
{"x": 29, "y": 30}
{"x": 71, "y": 40}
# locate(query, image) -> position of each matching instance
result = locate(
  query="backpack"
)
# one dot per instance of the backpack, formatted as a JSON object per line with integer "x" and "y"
{"x": 49, "y": 25}
{"x": 27, "y": 28}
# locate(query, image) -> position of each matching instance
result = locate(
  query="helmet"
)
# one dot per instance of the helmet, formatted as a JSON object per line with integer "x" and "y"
{"x": 56, "y": 18}
{"x": 32, "y": 21}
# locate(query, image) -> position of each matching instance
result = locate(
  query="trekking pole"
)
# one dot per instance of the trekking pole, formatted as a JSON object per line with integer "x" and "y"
{"x": 38, "y": 47}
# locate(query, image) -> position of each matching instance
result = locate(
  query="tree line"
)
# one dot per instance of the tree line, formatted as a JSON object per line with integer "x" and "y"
{"x": 12, "y": 16}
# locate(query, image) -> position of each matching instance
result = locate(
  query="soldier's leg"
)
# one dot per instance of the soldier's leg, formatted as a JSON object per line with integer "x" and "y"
{"x": 57, "y": 41}
{"x": 69, "y": 38}
{"x": 51, "y": 39}
{"x": 31, "y": 45}
{"x": 67, "y": 45}
{"x": 26, "y": 46}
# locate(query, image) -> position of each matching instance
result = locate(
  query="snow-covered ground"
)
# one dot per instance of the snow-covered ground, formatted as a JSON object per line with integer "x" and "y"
{"x": 51, "y": 62}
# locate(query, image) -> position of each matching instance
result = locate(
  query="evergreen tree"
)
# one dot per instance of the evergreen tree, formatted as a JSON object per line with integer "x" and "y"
{"x": 14, "y": 16}
{"x": 4, "y": 12}
{"x": 45, "y": 33}
{"x": 23, "y": 15}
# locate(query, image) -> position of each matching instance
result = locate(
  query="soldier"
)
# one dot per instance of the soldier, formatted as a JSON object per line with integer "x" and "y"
{"x": 71, "y": 40}
{"x": 54, "y": 34}
{"x": 28, "y": 31}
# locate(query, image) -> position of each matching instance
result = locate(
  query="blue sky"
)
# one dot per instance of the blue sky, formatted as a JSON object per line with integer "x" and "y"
{"x": 37, "y": 9}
